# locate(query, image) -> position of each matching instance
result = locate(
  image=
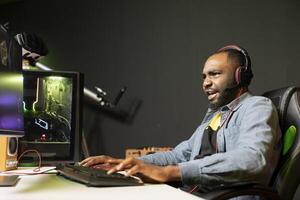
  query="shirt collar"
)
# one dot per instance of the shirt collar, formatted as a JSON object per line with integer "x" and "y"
{"x": 236, "y": 102}
{"x": 233, "y": 105}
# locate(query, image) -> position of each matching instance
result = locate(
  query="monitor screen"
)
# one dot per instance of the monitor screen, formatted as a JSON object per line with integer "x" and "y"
{"x": 11, "y": 97}
{"x": 11, "y": 86}
{"x": 52, "y": 114}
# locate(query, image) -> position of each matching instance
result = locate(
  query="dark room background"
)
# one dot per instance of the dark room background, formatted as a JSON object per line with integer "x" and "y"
{"x": 157, "y": 49}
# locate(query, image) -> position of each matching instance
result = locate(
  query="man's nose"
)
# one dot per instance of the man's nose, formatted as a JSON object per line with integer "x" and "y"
{"x": 207, "y": 82}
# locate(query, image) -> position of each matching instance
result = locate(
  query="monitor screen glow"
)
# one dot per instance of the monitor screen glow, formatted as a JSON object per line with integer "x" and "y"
{"x": 51, "y": 114}
{"x": 11, "y": 86}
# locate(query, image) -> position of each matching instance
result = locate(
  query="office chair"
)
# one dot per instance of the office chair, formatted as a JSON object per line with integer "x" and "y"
{"x": 286, "y": 177}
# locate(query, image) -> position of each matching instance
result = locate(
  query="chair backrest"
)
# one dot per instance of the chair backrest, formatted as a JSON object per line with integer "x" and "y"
{"x": 287, "y": 175}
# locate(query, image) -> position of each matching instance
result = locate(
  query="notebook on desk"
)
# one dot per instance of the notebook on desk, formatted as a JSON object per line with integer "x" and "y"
{"x": 96, "y": 177}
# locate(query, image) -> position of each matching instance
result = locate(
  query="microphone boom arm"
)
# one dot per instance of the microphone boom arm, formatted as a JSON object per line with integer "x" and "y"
{"x": 97, "y": 98}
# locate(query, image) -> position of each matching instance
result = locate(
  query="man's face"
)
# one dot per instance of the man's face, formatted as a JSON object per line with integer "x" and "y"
{"x": 218, "y": 80}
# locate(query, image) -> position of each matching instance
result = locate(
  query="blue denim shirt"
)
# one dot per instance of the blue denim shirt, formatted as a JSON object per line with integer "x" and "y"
{"x": 248, "y": 146}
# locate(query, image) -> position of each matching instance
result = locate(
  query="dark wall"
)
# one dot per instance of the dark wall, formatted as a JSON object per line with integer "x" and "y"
{"x": 157, "y": 49}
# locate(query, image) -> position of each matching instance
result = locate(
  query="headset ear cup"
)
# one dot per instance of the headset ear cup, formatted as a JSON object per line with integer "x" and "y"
{"x": 243, "y": 73}
{"x": 238, "y": 75}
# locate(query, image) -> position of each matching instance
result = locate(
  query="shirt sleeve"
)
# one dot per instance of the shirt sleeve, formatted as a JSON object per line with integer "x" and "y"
{"x": 255, "y": 153}
{"x": 181, "y": 153}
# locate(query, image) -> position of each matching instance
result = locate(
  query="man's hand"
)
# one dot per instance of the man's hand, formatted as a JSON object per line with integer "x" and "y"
{"x": 148, "y": 172}
{"x": 96, "y": 160}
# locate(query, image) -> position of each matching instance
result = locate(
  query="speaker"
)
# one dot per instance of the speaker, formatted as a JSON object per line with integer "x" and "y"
{"x": 8, "y": 153}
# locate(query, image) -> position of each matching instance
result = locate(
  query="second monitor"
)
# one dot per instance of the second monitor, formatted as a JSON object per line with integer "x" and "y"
{"x": 52, "y": 115}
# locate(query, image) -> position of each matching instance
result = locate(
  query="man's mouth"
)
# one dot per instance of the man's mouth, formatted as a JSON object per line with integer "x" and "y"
{"x": 211, "y": 95}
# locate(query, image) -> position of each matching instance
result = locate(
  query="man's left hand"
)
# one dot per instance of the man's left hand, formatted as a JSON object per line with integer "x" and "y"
{"x": 148, "y": 172}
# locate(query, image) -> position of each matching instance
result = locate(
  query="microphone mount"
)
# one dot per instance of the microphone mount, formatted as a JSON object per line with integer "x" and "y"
{"x": 99, "y": 97}
{"x": 33, "y": 48}
{"x": 103, "y": 101}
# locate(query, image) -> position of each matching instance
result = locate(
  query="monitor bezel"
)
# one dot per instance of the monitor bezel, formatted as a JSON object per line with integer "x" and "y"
{"x": 76, "y": 121}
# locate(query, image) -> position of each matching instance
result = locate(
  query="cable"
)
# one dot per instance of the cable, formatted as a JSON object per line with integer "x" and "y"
{"x": 39, "y": 156}
{"x": 193, "y": 189}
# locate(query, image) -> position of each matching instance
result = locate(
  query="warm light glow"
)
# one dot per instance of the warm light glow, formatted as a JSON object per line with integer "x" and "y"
{"x": 7, "y": 78}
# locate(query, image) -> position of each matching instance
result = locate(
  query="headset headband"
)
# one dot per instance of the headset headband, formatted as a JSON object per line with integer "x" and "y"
{"x": 243, "y": 74}
{"x": 239, "y": 49}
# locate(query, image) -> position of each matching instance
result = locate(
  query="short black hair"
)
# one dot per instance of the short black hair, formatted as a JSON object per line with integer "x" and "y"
{"x": 235, "y": 56}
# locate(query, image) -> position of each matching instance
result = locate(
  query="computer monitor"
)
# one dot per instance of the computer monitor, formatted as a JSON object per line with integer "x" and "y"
{"x": 11, "y": 86}
{"x": 52, "y": 115}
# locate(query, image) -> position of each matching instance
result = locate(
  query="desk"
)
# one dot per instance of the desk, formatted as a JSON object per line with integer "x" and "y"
{"x": 53, "y": 187}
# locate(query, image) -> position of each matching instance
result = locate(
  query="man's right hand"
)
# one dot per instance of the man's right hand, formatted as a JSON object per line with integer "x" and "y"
{"x": 96, "y": 160}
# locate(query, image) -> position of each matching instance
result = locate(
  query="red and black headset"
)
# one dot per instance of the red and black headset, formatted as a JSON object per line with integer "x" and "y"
{"x": 243, "y": 73}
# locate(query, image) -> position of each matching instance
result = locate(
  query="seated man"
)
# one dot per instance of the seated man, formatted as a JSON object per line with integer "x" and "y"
{"x": 238, "y": 139}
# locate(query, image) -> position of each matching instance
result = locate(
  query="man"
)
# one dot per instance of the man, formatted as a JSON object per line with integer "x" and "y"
{"x": 237, "y": 140}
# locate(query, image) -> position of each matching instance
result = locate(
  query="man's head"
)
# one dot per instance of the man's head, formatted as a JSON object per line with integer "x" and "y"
{"x": 226, "y": 75}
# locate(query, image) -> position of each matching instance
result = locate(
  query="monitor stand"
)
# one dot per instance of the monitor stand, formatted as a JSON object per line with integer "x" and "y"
{"x": 8, "y": 180}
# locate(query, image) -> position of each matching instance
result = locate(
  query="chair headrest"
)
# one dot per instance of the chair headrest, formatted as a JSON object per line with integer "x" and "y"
{"x": 281, "y": 98}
